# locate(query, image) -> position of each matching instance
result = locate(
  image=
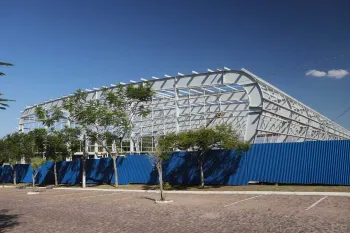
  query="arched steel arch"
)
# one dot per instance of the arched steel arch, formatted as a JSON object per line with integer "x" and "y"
{"x": 259, "y": 111}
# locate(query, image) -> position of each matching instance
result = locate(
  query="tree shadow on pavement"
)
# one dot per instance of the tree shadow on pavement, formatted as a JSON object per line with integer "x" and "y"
{"x": 7, "y": 220}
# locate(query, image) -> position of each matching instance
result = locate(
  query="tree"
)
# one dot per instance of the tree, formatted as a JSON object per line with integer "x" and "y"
{"x": 164, "y": 148}
{"x": 3, "y": 151}
{"x": 36, "y": 163}
{"x": 39, "y": 136}
{"x": 104, "y": 118}
{"x": 3, "y": 101}
{"x": 17, "y": 145}
{"x": 61, "y": 144}
{"x": 70, "y": 137}
{"x": 4, "y": 64}
{"x": 56, "y": 150}
{"x": 56, "y": 145}
{"x": 200, "y": 141}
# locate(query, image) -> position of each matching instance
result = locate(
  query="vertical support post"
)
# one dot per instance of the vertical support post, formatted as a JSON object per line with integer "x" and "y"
{"x": 132, "y": 147}
{"x": 163, "y": 118}
{"x": 68, "y": 144}
{"x": 96, "y": 149}
{"x": 252, "y": 123}
{"x": 177, "y": 111}
{"x": 152, "y": 142}
{"x": 21, "y": 128}
{"x": 137, "y": 144}
{"x": 190, "y": 103}
{"x": 205, "y": 110}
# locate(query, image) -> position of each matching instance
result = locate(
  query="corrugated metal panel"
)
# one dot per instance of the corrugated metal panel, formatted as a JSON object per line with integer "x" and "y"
{"x": 6, "y": 174}
{"x": 139, "y": 169}
{"x": 314, "y": 162}
{"x": 317, "y": 162}
{"x": 69, "y": 172}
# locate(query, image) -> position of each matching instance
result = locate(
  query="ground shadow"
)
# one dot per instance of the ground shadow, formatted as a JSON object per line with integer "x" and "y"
{"x": 7, "y": 220}
{"x": 148, "y": 198}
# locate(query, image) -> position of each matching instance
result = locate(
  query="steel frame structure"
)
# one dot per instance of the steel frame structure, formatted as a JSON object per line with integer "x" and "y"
{"x": 260, "y": 112}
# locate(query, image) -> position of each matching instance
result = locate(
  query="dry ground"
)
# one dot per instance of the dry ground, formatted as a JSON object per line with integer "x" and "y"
{"x": 98, "y": 211}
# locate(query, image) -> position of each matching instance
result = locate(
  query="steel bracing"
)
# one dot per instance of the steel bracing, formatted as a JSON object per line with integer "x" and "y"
{"x": 260, "y": 112}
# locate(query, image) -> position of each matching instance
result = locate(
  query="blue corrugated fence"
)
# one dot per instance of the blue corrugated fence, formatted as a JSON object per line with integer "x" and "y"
{"x": 317, "y": 162}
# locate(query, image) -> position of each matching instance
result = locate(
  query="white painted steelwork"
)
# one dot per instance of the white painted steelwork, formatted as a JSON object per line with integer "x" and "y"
{"x": 260, "y": 112}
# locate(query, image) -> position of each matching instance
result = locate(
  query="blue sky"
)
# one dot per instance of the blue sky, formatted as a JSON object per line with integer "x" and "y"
{"x": 60, "y": 46}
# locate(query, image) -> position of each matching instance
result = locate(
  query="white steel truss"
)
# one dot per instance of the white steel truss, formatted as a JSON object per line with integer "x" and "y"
{"x": 260, "y": 112}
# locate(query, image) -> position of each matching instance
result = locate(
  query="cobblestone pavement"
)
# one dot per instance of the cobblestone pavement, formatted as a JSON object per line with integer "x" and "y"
{"x": 98, "y": 211}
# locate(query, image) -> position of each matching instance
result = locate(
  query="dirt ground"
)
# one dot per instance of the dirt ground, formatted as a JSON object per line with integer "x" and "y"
{"x": 101, "y": 211}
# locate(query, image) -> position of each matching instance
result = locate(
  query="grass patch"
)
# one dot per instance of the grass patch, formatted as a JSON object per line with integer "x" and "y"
{"x": 251, "y": 187}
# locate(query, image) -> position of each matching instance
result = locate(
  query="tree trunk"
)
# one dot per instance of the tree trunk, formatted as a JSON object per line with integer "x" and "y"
{"x": 33, "y": 179}
{"x": 115, "y": 169}
{"x": 84, "y": 173}
{"x": 202, "y": 173}
{"x": 160, "y": 177}
{"x": 14, "y": 175}
{"x": 55, "y": 172}
{"x": 85, "y": 155}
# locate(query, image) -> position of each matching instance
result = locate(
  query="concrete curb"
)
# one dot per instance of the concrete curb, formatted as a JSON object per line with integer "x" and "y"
{"x": 337, "y": 194}
{"x": 29, "y": 187}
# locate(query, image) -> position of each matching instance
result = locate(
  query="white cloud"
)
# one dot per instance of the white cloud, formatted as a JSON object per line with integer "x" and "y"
{"x": 316, "y": 73}
{"x": 337, "y": 74}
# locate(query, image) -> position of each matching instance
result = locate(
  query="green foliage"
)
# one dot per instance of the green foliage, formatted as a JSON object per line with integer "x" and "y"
{"x": 205, "y": 139}
{"x": 48, "y": 118}
{"x": 39, "y": 136}
{"x": 4, "y": 64}
{"x": 70, "y": 136}
{"x": 15, "y": 146}
{"x": 199, "y": 142}
{"x": 108, "y": 118}
{"x": 167, "y": 186}
{"x": 3, "y": 101}
{"x": 36, "y": 163}
{"x": 166, "y": 145}
{"x": 3, "y": 151}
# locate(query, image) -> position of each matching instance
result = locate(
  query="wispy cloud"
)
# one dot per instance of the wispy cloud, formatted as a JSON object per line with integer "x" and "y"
{"x": 315, "y": 73}
{"x": 337, "y": 74}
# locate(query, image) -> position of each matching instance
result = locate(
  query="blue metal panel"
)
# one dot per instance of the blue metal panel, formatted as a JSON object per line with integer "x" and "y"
{"x": 69, "y": 172}
{"x": 314, "y": 162}
{"x": 317, "y": 162}
{"x": 6, "y": 174}
{"x": 181, "y": 168}
{"x": 99, "y": 171}
{"x": 139, "y": 169}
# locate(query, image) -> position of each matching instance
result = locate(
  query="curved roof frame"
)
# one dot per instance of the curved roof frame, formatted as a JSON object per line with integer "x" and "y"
{"x": 256, "y": 108}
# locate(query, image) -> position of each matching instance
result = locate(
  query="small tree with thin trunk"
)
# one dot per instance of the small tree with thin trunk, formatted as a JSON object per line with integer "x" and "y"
{"x": 36, "y": 163}
{"x": 47, "y": 142}
{"x": 164, "y": 148}
{"x": 200, "y": 141}
{"x": 100, "y": 119}
{"x": 62, "y": 144}
{"x": 109, "y": 118}
{"x": 17, "y": 145}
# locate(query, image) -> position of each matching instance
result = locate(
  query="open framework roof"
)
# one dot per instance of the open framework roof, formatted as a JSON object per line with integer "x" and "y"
{"x": 259, "y": 111}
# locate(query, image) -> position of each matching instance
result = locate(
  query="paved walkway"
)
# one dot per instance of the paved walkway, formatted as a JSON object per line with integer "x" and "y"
{"x": 74, "y": 210}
